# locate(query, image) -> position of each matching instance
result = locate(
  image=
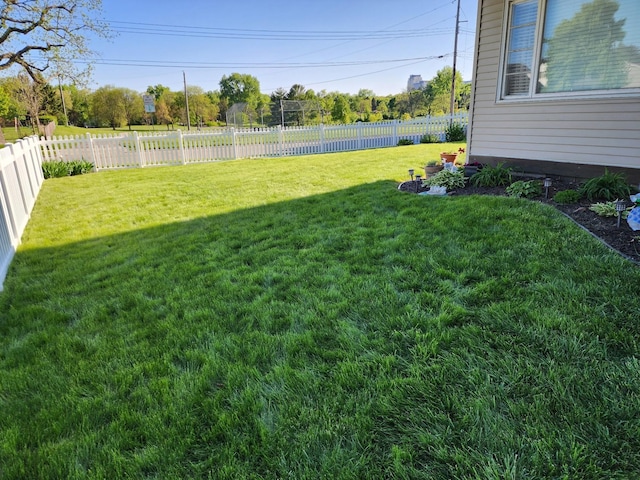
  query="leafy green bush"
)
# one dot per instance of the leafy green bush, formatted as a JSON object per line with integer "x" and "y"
{"x": 60, "y": 168}
{"x": 455, "y": 132}
{"x": 405, "y": 141}
{"x": 79, "y": 167}
{"x": 606, "y": 187}
{"x": 492, "y": 176}
{"x": 524, "y": 189}
{"x": 446, "y": 178}
{"x": 55, "y": 169}
{"x": 608, "y": 209}
{"x": 567, "y": 196}
{"x": 429, "y": 138}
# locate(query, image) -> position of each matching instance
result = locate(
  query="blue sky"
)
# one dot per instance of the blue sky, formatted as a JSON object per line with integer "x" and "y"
{"x": 384, "y": 41}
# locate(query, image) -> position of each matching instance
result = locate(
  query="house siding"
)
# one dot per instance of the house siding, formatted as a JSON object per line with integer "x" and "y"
{"x": 588, "y": 131}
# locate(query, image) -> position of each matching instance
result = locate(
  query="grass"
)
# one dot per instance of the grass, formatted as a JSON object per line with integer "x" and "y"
{"x": 301, "y": 318}
{"x": 11, "y": 134}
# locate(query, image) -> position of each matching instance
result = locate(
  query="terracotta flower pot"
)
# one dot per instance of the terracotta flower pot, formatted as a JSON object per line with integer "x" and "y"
{"x": 449, "y": 157}
{"x": 432, "y": 169}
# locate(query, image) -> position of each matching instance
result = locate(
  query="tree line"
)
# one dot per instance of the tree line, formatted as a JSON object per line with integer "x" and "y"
{"x": 238, "y": 101}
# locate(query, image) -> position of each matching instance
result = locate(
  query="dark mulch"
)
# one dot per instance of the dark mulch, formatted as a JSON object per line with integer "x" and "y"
{"x": 623, "y": 239}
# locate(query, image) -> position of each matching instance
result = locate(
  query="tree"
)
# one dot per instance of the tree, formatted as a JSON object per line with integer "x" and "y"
{"x": 276, "y": 105}
{"x": 79, "y": 109}
{"x": 201, "y": 109}
{"x": 108, "y": 108}
{"x": 240, "y": 88}
{"x": 162, "y": 113}
{"x": 585, "y": 52}
{"x": 157, "y": 91}
{"x": 341, "y": 111}
{"x": 5, "y": 101}
{"x": 132, "y": 105}
{"x": 438, "y": 91}
{"x": 29, "y": 95}
{"x": 35, "y": 34}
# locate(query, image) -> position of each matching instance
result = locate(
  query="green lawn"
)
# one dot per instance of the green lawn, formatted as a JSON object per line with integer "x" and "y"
{"x": 301, "y": 318}
{"x": 11, "y": 134}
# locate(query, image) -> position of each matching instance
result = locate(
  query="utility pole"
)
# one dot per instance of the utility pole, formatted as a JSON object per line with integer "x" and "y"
{"x": 64, "y": 105}
{"x": 186, "y": 100}
{"x": 455, "y": 56}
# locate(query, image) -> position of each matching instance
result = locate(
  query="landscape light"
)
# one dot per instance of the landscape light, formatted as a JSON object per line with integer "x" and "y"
{"x": 620, "y": 207}
{"x": 418, "y": 180}
{"x": 411, "y": 171}
{"x": 547, "y": 184}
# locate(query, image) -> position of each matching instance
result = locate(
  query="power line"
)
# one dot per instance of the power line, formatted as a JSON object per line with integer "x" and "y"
{"x": 163, "y": 26}
{"x": 379, "y": 71}
{"x": 302, "y": 36}
{"x": 187, "y": 64}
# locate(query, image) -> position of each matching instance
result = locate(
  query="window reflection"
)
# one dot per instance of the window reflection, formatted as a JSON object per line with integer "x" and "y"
{"x": 590, "y": 45}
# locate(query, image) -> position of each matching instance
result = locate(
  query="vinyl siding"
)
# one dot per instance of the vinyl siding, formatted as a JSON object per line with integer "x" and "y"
{"x": 592, "y": 131}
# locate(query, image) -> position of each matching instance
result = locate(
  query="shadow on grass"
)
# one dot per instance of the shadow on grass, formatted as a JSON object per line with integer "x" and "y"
{"x": 363, "y": 333}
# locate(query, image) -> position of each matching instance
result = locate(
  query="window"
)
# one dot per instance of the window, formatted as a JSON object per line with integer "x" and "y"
{"x": 556, "y": 47}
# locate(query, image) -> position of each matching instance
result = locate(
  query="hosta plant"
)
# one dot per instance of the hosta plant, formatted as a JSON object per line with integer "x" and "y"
{"x": 524, "y": 189}
{"x": 446, "y": 178}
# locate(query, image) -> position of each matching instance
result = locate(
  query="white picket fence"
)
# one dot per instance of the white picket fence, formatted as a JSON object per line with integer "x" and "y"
{"x": 142, "y": 149}
{"x": 20, "y": 181}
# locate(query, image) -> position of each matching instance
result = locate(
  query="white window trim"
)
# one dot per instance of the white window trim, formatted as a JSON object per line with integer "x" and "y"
{"x": 532, "y": 96}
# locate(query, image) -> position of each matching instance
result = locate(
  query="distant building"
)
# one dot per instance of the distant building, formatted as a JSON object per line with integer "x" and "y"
{"x": 415, "y": 83}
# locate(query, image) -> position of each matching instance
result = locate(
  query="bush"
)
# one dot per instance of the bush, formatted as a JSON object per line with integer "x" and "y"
{"x": 567, "y": 196}
{"x": 405, "y": 141}
{"x": 524, "y": 189}
{"x": 491, "y": 176}
{"x": 446, "y": 178}
{"x": 59, "y": 168}
{"x": 79, "y": 167}
{"x": 455, "y": 132}
{"x": 55, "y": 169}
{"x": 608, "y": 209}
{"x": 606, "y": 187}
{"x": 429, "y": 138}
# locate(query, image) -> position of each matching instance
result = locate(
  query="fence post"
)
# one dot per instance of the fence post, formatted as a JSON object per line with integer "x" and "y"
{"x": 92, "y": 153}
{"x": 183, "y": 157}
{"x": 138, "y": 149}
{"x": 7, "y": 204}
{"x": 322, "y": 143}
{"x": 12, "y": 147}
{"x": 395, "y": 132}
{"x": 233, "y": 142}
{"x": 281, "y": 140}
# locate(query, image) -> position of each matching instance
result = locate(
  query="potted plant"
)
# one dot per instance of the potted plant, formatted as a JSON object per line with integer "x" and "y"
{"x": 472, "y": 168}
{"x": 451, "y": 157}
{"x": 432, "y": 167}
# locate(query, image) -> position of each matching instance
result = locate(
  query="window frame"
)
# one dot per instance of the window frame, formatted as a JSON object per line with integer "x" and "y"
{"x": 532, "y": 95}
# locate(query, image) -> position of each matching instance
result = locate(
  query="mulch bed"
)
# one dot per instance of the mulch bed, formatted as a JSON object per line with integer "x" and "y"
{"x": 624, "y": 240}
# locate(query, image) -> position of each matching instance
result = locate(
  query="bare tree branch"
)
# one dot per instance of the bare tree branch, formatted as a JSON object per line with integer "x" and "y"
{"x": 54, "y": 30}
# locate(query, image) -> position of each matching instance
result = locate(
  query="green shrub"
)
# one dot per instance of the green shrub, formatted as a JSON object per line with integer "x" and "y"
{"x": 606, "y": 187}
{"x": 59, "y": 168}
{"x": 55, "y": 169}
{"x": 446, "y": 178}
{"x": 491, "y": 176}
{"x": 567, "y": 196}
{"x": 524, "y": 189}
{"x": 608, "y": 209}
{"x": 429, "y": 138}
{"x": 455, "y": 132}
{"x": 79, "y": 167}
{"x": 405, "y": 141}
